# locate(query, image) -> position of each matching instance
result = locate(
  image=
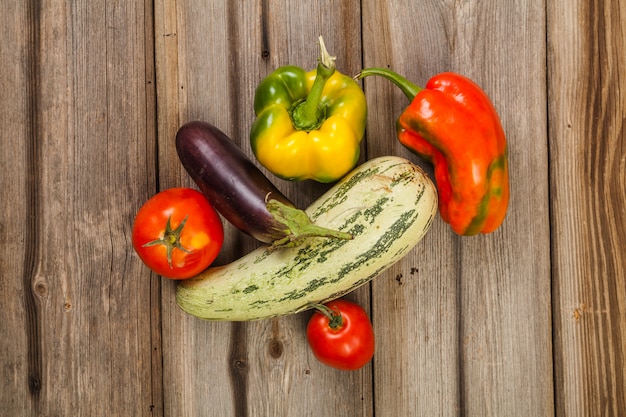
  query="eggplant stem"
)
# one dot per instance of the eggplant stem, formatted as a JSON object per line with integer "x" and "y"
{"x": 298, "y": 226}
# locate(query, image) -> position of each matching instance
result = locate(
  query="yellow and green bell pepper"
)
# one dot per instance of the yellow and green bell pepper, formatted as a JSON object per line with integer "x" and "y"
{"x": 309, "y": 125}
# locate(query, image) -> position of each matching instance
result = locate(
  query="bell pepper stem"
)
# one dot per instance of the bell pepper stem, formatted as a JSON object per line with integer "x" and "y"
{"x": 409, "y": 89}
{"x": 309, "y": 114}
{"x": 335, "y": 319}
{"x": 298, "y": 226}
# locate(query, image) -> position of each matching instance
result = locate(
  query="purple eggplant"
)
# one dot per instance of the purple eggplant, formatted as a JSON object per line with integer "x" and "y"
{"x": 239, "y": 191}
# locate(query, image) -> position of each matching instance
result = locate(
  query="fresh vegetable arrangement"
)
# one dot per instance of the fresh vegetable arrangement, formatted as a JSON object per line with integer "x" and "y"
{"x": 453, "y": 124}
{"x": 387, "y": 204}
{"x": 309, "y": 124}
{"x": 341, "y": 335}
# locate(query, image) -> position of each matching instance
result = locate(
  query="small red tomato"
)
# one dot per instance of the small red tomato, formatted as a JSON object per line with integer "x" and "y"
{"x": 341, "y": 335}
{"x": 177, "y": 233}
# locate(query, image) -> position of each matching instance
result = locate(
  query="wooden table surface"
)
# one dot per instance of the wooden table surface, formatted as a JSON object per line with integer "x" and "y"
{"x": 527, "y": 321}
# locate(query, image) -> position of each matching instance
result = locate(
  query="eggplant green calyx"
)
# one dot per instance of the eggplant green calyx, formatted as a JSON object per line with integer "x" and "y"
{"x": 298, "y": 226}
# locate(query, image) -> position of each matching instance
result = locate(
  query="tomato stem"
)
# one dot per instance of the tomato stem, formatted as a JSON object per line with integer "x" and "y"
{"x": 170, "y": 239}
{"x": 335, "y": 319}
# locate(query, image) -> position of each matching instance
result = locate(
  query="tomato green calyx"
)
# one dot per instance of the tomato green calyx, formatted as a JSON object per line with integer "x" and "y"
{"x": 170, "y": 239}
{"x": 298, "y": 226}
{"x": 335, "y": 319}
{"x": 409, "y": 89}
{"x": 309, "y": 114}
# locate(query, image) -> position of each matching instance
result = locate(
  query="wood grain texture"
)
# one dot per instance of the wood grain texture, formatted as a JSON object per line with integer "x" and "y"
{"x": 414, "y": 304}
{"x": 527, "y": 321}
{"x": 81, "y": 323}
{"x": 20, "y": 359}
{"x": 215, "y": 57}
{"x": 588, "y": 183}
{"x": 466, "y": 323}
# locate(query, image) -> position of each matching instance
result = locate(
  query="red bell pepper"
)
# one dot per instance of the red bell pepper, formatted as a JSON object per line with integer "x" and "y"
{"x": 453, "y": 124}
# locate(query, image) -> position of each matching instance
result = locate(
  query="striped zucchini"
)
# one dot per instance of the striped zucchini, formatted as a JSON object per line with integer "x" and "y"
{"x": 387, "y": 204}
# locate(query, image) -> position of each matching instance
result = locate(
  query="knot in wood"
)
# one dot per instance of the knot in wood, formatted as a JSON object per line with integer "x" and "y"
{"x": 276, "y": 348}
{"x": 240, "y": 365}
{"x": 41, "y": 289}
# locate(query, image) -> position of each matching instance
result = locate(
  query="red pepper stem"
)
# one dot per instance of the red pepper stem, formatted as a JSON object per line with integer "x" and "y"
{"x": 310, "y": 114}
{"x": 335, "y": 319}
{"x": 409, "y": 89}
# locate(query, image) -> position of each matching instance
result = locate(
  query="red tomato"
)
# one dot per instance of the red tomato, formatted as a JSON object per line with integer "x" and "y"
{"x": 341, "y": 335}
{"x": 177, "y": 233}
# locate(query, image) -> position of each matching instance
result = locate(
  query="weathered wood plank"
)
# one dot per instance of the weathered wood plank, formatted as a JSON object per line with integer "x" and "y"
{"x": 463, "y": 324}
{"x": 415, "y": 302}
{"x": 78, "y": 339}
{"x": 466, "y": 323}
{"x": 20, "y": 360}
{"x": 587, "y": 43}
{"x": 210, "y": 57}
